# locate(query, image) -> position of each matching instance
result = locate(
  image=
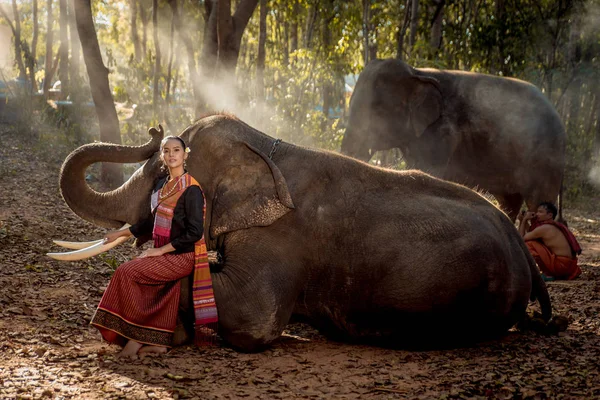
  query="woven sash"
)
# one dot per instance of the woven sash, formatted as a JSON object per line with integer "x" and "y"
{"x": 205, "y": 308}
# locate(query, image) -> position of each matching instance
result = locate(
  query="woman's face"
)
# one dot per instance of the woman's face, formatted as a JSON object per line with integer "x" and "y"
{"x": 173, "y": 154}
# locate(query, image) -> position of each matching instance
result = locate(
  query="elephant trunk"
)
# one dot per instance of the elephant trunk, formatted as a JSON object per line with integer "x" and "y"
{"x": 352, "y": 145}
{"x": 111, "y": 209}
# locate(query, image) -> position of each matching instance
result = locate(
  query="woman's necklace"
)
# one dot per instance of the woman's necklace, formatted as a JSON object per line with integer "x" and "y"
{"x": 170, "y": 192}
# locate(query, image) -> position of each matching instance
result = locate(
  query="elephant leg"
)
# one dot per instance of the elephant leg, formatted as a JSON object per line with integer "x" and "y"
{"x": 510, "y": 204}
{"x": 548, "y": 192}
{"x": 255, "y": 290}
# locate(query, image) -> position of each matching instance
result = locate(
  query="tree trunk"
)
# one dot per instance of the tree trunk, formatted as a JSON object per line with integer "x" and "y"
{"x": 189, "y": 47}
{"x": 597, "y": 135}
{"x": 294, "y": 27}
{"x": 402, "y": 30}
{"x": 310, "y": 26}
{"x": 135, "y": 37}
{"x": 225, "y": 31}
{"x": 326, "y": 84}
{"x": 223, "y": 36}
{"x": 170, "y": 66}
{"x": 63, "y": 68}
{"x": 18, "y": 45}
{"x": 500, "y": 35}
{"x": 436, "y": 26}
{"x": 372, "y": 45}
{"x": 34, "y": 46}
{"x": 49, "y": 41}
{"x": 144, "y": 19}
{"x": 155, "y": 91}
{"x": 414, "y": 24}
{"x": 286, "y": 40}
{"x": 111, "y": 174}
{"x": 260, "y": 62}
{"x": 75, "y": 73}
{"x": 365, "y": 29}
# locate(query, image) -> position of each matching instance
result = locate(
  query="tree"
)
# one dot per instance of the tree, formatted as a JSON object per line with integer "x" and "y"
{"x": 49, "y": 67}
{"x": 63, "y": 67}
{"x": 157, "y": 56}
{"x": 32, "y": 58}
{"x": 16, "y": 30}
{"x": 135, "y": 37}
{"x": 260, "y": 62}
{"x": 111, "y": 174}
{"x": 224, "y": 32}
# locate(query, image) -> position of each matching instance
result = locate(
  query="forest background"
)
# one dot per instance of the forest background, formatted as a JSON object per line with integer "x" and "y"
{"x": 110, "y": 69}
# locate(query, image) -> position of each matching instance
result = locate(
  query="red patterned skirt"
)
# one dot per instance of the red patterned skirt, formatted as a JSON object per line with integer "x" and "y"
{"x": 142, "y": 300}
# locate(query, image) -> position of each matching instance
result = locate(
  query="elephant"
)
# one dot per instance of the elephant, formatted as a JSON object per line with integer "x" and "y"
{"x": 501, "y": 135}
{"x": 360, "y": 252}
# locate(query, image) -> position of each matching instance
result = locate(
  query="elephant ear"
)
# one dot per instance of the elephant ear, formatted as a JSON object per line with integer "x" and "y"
{"x": 252, "y": 192}
{"x": 425, "y": 103}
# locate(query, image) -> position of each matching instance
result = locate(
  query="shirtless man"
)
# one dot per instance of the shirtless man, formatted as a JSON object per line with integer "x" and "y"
{"x": 551, "y": 244}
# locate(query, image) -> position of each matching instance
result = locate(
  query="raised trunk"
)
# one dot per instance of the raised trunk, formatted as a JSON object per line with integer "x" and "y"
{"x": 114, "y": 208}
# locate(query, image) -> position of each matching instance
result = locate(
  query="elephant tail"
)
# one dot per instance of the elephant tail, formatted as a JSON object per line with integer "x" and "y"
{"x": 539, "y": 290}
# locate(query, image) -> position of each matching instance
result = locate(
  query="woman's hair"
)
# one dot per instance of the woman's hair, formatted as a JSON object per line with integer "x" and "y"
{"x": 167, "y": 138}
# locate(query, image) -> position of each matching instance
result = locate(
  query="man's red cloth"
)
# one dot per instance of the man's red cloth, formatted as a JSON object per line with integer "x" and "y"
{"x": 552, "y": 265}
{"x": 575, "y": 247}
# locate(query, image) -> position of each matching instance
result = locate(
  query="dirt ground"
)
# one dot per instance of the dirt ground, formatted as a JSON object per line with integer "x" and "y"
{"x": 48, "y": 350}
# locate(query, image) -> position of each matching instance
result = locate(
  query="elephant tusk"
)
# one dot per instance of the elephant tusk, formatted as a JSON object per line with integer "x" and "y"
{"x": 76, "y": 245}
{"x": 85, "y": 250}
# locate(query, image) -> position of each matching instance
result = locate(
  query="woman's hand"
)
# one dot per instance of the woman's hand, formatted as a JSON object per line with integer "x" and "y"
{"x": 152, "y": 252}
{"x": 114, "y": 235}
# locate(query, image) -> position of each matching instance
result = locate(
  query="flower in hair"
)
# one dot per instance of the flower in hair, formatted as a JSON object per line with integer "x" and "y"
{"x": 187, "y": 150}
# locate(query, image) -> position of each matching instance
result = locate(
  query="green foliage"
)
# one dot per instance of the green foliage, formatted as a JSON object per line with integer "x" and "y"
{"x": 550, "y": 43}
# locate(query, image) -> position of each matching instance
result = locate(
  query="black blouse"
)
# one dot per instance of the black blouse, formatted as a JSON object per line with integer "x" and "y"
{"x": 188, "y": 222}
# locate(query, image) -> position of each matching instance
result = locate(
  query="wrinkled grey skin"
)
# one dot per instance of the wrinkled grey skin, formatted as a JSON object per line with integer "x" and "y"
{"x": 497, "y": 134}
{"x": 358, "y": 251}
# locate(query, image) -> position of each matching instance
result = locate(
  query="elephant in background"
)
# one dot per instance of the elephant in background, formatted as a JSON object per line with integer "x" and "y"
{"x": 501, "y": 135}
{"x": 359, "y": 251}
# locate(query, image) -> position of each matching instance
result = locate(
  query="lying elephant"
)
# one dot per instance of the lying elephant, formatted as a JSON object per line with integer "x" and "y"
{"x": 500, "y": 134}
{"x": 360, "y": 252}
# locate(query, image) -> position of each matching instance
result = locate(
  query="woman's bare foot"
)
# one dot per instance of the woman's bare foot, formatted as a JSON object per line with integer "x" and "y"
{"x": 131, "y": 349}
{"x": 148, "y": 350}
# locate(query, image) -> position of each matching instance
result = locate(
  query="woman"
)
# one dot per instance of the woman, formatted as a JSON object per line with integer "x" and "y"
{"x": 139, "y": 307}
